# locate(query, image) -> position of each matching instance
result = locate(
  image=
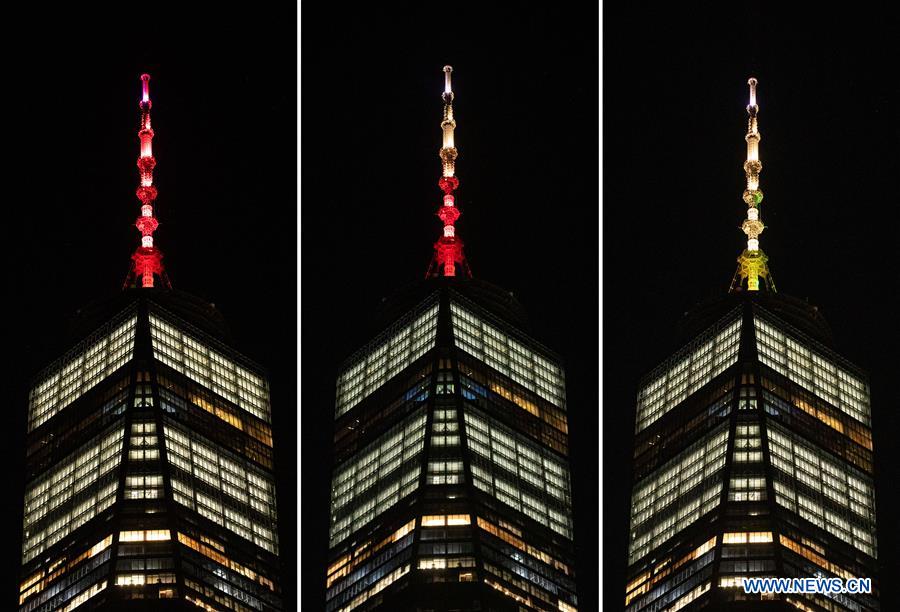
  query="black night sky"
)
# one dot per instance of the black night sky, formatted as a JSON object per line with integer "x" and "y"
{"x": 527, "y": 92}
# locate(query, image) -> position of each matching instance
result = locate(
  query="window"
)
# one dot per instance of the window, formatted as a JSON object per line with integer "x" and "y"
{"x": 534, "y": 371}
{"x": 224, "y": 488}
{"x": 85, "y": 366}
{"x": 519, "y": 472}
{"x": 84, "y": 484}
{"x": 812, "y": 367}
{"x": 810, "y": 481}
{"x": 689, "y": 369}
{"x": 677, "y": 493}
{"x": 148, "y": 535}
{"x": 439, "y": 520}
{"x": 201, "y": 363}
{"x": 377, "y": 476}
{"x": 386, "y": 356}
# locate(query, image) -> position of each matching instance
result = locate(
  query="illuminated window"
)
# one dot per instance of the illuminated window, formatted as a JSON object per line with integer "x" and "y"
{"x": 689, "y": 369}
{"x": 379, "y": 586}
{"x": 747, "y": 488}
{"x": 144, "y": 486}
{"x": 747, "y": 444}
{"x": 797, "y": 460}
{"x": 378, "y": 476}
{"x": 84, "y": 596}
{"x": 509, "y": 538}
{"x": 91, "y": 469}
{"x": 130, "y": 580}
{"x": 445, "y": 472}
{"x": 519, "y": 473}
{"x": 437, "y": 563}
{"x": 534, "y": 371}
{"x": 690, "y": 596}
{"x": 745, "y": 537}
{"x": 149, "y": 535}
{"x": 440, "y": 520}
{"x": 677, "y": 493}
{"x": 239, "y": 496}
{"x": 347, "y": 563}
{"x": 36, "y": 583}
{"x": 385, "y": 357}
{"x": 812, "y": 367}
{"x": 85, "y": 366}
{"x": 444, "y": 428}
{"x": 201, "y": 363}
{"x": 511, "y": 594}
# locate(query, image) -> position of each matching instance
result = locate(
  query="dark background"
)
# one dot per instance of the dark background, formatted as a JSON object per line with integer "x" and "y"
{"x": 224, "y": 92}
{"x": 526, "y": 91}
{"x": 224, "y": 110}
{"x": 674, "y": 119}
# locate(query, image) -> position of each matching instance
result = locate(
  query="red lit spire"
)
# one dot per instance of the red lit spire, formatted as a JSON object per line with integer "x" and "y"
{"x": 448, "y": 250}
{"x": 147, "y": 259}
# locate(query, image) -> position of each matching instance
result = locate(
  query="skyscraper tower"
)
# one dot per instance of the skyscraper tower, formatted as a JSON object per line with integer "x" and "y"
{"x": 451, "y": 487}
{"x": 149, "y": 474}
{"x": 753, "y": 451}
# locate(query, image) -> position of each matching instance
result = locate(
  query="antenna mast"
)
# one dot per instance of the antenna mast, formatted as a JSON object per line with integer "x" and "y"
{"x": 147, "y": 259}
{"x": 448, "y": 250}
{"x": 752, "y": 263}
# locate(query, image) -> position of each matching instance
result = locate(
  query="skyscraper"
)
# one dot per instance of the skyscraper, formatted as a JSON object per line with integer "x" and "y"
{"x": 451, "y": 486}
{"x": 149, "y": 465}
{"x": 753, "y": 450}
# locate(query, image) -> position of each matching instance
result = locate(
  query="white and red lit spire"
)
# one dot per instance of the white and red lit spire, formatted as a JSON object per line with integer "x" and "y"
{"x": 448, "y": 250}
{"x": 752, "y": 263}
{"x": 147, "y": 259}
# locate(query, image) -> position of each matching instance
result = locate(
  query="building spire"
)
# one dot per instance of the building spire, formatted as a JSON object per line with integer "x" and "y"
{"x": 752, "y": 263}
{"x": 147, "y": 259}
{"x": 448, "y": 250}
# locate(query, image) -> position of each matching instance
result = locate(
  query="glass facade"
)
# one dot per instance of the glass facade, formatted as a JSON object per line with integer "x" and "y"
{"x": 677, "y": 494}
{"x": 451, "y": 479}
{"x": 83, "y": 485}
{"x": 503, "y": 353}
{"x": 201, "y": 363}
{"x": 827, "y": 493}
{"x": 223, "y": 487}
{"x": 386, "y": 356}
{"x": 520, "y": 473}
{"x": 689, "y": 369}
{"x": 377, "y": 477}
{"x": 149, "y": 469}
{"x": 813, "y": 368}
{"x": 356, "y": 576}
{"x": 781, "y": 420}
{"x": 86, "y": 365}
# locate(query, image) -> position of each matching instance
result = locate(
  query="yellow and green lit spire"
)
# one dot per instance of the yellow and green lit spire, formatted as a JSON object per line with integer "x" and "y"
{"x": 752, "y": 263}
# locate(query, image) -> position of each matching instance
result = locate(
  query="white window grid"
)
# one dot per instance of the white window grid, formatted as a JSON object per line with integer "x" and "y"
{"x": 524, "y": 462}
{"x": 386, "y": 466}
{"x": 688, "y": 370}
{"x": 842, "y": 485}
{"x": 242, "y": 486}
{"x": 812, "y": 369}
{"x": 497, "y": 349}
{"x": 53, "y": 491}
{"x": 202, "y": 364}
{"x": 384, "y": 358}
{"x": 81, "y": 370}
{"x": 673, "y": 496}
